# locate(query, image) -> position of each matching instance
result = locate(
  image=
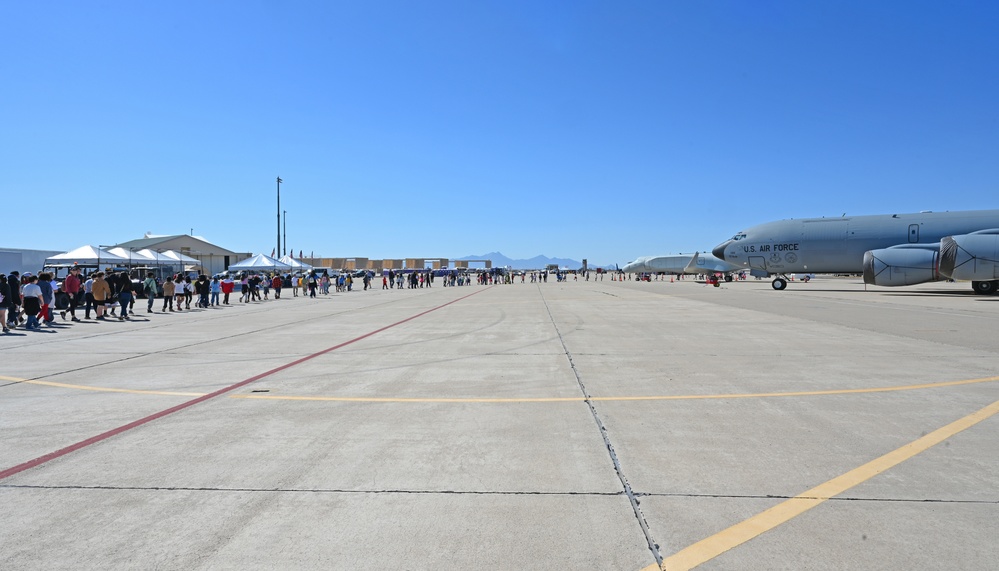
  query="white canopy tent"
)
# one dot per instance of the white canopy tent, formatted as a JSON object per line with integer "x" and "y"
{"x": 158, "y": 258}
{"x": 133, "y": 257}
{"x": 178, "y": 257}
{"x": 296, "y": 265}
{"x": 84, "y": 256}
{"x": 146, "y": 257}
{"x": 260, "y": 262}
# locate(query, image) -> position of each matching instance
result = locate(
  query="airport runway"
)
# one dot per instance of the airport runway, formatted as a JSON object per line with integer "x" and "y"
{"x": 584, "y": 425}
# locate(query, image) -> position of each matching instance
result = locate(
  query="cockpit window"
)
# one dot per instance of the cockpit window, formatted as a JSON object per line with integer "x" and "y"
{"x": 738, "y": 237}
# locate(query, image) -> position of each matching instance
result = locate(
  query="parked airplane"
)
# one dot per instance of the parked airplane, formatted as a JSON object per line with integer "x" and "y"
{"x": 682, "y": 264}
{"x": 889, "y": 249}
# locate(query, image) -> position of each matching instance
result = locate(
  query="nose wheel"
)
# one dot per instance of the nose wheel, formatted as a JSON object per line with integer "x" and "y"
{"x": 779, "y": 283}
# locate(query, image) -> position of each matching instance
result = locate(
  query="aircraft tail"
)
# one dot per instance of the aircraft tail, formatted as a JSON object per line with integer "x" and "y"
{"x": 692, "y": 264}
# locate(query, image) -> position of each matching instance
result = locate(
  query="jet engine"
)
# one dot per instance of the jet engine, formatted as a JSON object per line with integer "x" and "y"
{"x": 902, "y": 265}
{"x": 972, "y": 257}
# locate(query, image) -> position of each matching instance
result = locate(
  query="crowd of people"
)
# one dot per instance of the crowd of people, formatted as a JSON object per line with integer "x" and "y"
{"x": 31, "y": 301}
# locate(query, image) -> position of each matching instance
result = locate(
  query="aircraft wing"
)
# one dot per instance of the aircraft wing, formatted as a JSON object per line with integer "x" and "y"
{"x": 708, "y": 264}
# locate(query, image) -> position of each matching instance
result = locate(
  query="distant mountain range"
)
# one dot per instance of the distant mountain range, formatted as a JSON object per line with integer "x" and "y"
{"x": 535, "y": 263}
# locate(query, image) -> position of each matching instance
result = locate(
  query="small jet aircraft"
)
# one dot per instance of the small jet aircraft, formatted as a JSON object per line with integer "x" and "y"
{"x": 697, "y": 263}
{"x": 889, "y": 249}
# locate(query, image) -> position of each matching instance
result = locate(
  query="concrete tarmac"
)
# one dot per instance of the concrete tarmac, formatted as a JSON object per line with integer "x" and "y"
{"x": 581, "y": 425}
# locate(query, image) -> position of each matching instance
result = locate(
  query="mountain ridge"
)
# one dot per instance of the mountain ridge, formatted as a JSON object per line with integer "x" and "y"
{"x": 538, "y": 262}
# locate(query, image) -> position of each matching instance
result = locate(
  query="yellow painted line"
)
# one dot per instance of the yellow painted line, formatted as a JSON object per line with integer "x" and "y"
{"x": 519, "y": 400}
{"x": 100, "y": 389}
{"x": 711, "y": 547}
{"x": 635, "y": 398}
{"x": 410, "y": 400}
{"x": 808, "y": 393}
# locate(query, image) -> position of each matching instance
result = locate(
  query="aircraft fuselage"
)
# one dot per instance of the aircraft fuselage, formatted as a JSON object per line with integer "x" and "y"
{"x": 837, "y": 245}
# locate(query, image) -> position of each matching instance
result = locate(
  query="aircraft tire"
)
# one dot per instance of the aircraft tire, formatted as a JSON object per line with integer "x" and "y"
{"x": 985, "y": 288}
{"x": 728, "y": 277}
{"x": 779, "y": 283}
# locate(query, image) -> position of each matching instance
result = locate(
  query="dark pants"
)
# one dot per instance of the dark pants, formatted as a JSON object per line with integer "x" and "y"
{"x": 74, "y": 302}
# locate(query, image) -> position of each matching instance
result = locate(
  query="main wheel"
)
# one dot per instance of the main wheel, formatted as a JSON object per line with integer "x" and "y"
{"x": 779, "y": 283}
{"x": 985, "y": 288}
{"x": 728, "y": 277}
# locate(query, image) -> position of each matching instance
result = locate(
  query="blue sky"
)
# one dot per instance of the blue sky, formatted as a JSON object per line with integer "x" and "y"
{"x": 580, "y": 129}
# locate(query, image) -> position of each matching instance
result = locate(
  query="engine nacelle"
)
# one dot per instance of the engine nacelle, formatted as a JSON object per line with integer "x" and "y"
{"x": 971, "y": 256}
{"x": 902, "y": 265}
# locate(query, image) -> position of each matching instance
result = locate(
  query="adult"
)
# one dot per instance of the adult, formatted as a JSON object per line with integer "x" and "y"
{"x": 14, "y": 309}
{"x": 101, "y": 292}
{"x": 178, "y": 294}
{"x": 188, "y": 292}
{"x": 44, "y": 282}
{"x": 216, "y": 288}
{"x": 5, "y": 301}
{"x": 227, "y": 286}
{"x": 88, "y": 296}
{"x": 32, "y": 302}
{"x": 124, "y": 285}
{"x": 72, "y": 287}
{"x": 312, "y": 283}
{"x": 112, "y": 279}
{"x": 169, "y": 289}
{"x": 277, "y": 283}
{"x": 204, "y": 291}
{"x": 151, "y": 289}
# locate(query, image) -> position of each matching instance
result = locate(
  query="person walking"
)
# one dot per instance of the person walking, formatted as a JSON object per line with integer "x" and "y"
{"x": 204, "y": 291}
{"x": 32, "y": 302}
{"x": 312, "y": 282}
{"x": 44, "y": 281}
{"x": 216, "y": 288}
{"x": 101, "y": 292}
{"x": 169, "y": 288}
{"x": 188, "y": 292}
{"x": 88, "y": 296}
{"x": 227, "y": 286}
{"x": 14, "y": 313}
{"x": 6, "y": 299}
{"x": 73, "y": 288}
{"x": 124, "y": 285}
{"x": 277, "y": 283}
{"x": 178, "y": 294}
{"x": 150, "y": 288}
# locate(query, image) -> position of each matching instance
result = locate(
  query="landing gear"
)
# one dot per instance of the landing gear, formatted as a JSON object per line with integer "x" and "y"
{"x": 779, "y": 283}
{"x": 985, "y": 288}
{"x": 728, "y": 277}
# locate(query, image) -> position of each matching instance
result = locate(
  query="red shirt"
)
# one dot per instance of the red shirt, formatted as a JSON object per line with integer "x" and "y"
{"x": 71, "y": 284}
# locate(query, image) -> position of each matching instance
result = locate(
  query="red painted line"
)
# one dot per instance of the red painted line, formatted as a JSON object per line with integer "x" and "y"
{"x": 155, "y": 416}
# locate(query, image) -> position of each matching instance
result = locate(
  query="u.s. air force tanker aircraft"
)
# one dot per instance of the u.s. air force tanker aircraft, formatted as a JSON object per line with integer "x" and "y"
{"x": 697, "y": 263}
{"x": 890, "y": 249}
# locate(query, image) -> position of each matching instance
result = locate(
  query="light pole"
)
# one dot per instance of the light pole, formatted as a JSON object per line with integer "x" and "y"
{"x": 279, "y": 181}
{"x": 285, "y": 251}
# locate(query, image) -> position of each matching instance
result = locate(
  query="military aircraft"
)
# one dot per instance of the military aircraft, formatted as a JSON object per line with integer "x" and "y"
{"x": 889, "y": 249}
{"x": 697, "y": 263}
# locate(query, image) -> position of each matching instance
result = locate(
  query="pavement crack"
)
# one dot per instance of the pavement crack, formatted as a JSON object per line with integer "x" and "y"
{"x": 385, "y": 491}
{"x": 632, "y": 497}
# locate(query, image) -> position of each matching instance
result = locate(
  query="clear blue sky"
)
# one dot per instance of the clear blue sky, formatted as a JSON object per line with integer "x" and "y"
{"x": 599, "y": 130}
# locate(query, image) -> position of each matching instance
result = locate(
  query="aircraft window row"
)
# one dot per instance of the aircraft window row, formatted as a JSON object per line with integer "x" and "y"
{"x": 738, "y": 237}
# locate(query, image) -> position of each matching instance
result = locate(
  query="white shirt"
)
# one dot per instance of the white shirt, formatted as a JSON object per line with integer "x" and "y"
{"x": 31, "y": 290}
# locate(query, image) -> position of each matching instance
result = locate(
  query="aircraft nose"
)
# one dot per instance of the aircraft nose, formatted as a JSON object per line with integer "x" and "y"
{"x": 719, "y": 251}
